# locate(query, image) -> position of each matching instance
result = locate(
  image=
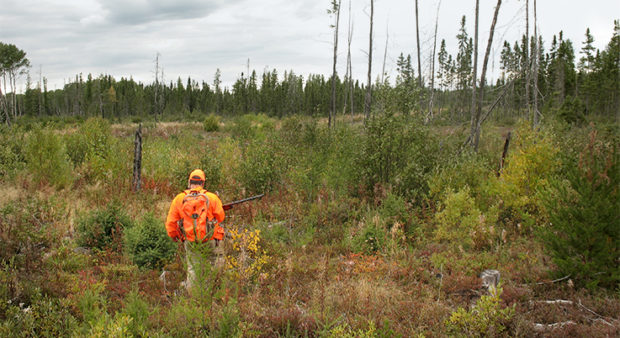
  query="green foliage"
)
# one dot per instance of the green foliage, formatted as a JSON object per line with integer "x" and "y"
{"x": 137, "y": 309}
{"x": 584, "y": 207}
{"x": 259, "y": 171}
{"x": 43, "y": 317}
{"x": 572, "y": 110}
{"x": 370, "y": 236}
{"x": 228, "y": 324}
{"x": 102, "y": 228}
{"x": 397, "y": 151}
{"x": 486, "y": 318}
{"x": 94, "y": 146}
{"x": 211, "y": 164}
{"x": 532, "y": 162}
{"x": 11, "y": 151}
{"x": 148, "y": 244}
{"x": 461, "y": 223}
{"x": 47, "y": 159}
{"x": 27, "y": 227}
{"x": 249, "y": 126}
{"x": 211, "y": 123}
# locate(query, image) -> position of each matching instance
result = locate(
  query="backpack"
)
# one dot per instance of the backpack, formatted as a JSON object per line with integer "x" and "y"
{"x": 195, "y": 206}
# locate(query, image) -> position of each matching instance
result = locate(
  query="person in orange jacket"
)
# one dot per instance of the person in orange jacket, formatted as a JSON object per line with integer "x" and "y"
{"x": 194, "y": 218}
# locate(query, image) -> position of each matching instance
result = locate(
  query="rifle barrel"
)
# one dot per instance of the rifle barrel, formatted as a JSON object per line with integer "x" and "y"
{"x": 229, "y": 206}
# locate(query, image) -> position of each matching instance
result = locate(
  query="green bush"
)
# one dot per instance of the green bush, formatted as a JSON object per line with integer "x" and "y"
{"x": 259, "y": 172}
{"x": 136, "y": 308}
{"x": 103, "y": 227}
{"x": 582, "y": 236}
{"x": 212, "y": 167}
{"x": 47, "y": 159}
{"x": 43, "y": 317}
{"x": 485, "y": 319}
{"x": 461, "y": 223}
{"x": 370, "y": 237}
{"x": 147, "y": 243}
{"x": 94, "y": 146}
{"x": 11, "y": 151}
{"x": 572, "y": 110}
{"x": 211, "y": 123}
{"x": 398, "y": 152}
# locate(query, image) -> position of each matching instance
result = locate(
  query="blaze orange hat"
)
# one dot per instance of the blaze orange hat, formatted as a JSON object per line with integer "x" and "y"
{"x": 197, "y": 176}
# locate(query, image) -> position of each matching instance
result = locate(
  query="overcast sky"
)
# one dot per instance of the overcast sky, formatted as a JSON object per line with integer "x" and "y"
{"x": 194, "y": 38}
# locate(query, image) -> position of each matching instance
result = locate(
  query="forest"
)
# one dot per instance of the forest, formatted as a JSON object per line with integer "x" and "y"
{"x": 386, "y": 203}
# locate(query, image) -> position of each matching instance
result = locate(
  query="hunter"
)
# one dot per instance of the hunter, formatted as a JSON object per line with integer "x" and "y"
{"x": 194, "y": 219}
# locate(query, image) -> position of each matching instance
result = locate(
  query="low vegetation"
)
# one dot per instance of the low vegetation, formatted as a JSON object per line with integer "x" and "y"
{"x": 374, "y": 229}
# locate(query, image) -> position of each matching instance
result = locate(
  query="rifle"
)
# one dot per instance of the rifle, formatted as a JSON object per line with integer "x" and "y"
{"x": 230, "y": 205}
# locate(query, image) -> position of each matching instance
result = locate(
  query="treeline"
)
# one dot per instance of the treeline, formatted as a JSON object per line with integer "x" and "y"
{"x": 570, "y": 83}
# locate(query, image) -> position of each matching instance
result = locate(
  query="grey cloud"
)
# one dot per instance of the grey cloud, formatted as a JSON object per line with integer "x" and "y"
{"x": 133, "y": 12}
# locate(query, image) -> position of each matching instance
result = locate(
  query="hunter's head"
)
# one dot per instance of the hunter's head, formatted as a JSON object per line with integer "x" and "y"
{"x": 196, "y": 179}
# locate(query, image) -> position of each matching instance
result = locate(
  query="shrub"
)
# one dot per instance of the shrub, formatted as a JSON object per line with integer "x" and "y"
{"x": 370, "y": 237}
{"x": 11, "y": 151}
{"x": 396, "y": 151}
{"x": 94, "y": 145}
{"x": 259, "y": 171}
{"x": 137, "y": 309}
{"x": 572, "y": 110}
{"x": 532, "y": 162}
{"x": 485, "y": 319}
{"x": 212, "y": 167}
{"x": 47, "y": 159}
{"x": 101, "y": 228}
{"x": 147, "y": 243}
{"x": 582, "y": 236}
{"x": 211, "y": 123}
{"x": 460, "y": 222}
{"x": 44, "y": 317}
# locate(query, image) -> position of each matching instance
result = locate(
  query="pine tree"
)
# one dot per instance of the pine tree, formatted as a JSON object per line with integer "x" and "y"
{"x": 583, "y": 237}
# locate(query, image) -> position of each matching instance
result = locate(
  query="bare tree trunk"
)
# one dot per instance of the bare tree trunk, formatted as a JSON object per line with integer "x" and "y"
{"x": 387, "y": 38}
{"x": 3, "y": 106}
{"x": 474, "y": 92}
{"x": 504, "y": 155}
{"x": 332, "y": 112}
{"x": 527, "y": 58}
{"x": 156, "y": 89}
{"x": 476, "y": 136}
{"x": 417, "y": 33}
{"x": 536, "y": 56}
{"x": 430, "y": 101}
{"x": 349, "y": 76}
{"x": 137, "y": 159}
{"x": 368, "y": 100}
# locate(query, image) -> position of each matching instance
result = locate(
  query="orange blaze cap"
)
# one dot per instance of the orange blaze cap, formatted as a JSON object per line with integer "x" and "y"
{"x": 197, "y": 175}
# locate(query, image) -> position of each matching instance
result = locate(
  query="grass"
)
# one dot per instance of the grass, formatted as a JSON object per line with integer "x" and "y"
{"x": 315, "y": 282}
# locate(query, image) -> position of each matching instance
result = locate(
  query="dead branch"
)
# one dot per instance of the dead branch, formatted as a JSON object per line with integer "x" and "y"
{"x": 544, "y": 327}
{"x": 554, "y": 281}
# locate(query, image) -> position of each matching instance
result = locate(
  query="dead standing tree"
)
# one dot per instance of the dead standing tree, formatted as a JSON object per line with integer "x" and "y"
{"x": 137, "y": 160}
{"x": 417, "y": 33}
{"x": 474, "y": 118}
{"x": 335, "y": 9}
{"x": 368, "y": 100}
{"x": 475, "y": 136}
{"x": 348, "y": 76}
{"x": 430, "y": 101}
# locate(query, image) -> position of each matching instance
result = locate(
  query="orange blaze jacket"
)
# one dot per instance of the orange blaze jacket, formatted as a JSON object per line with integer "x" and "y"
{"x": 213, "y": 212}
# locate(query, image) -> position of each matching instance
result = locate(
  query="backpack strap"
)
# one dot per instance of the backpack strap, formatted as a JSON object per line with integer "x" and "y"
{"x": 189, "y": 193}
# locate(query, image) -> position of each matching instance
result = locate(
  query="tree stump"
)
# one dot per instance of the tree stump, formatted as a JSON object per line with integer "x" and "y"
{"x": 137, "y": 159}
